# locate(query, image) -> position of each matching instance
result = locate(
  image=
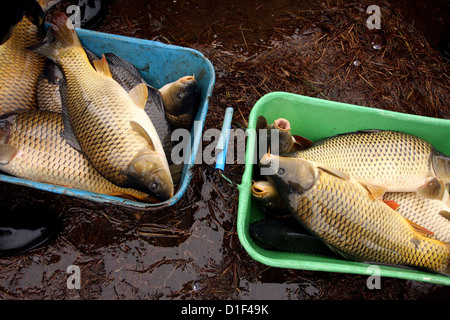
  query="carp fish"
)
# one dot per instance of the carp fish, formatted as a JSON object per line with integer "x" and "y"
{"x": 384, "y": 161}
{"x": 181, "y": 99}
{"x": 31, "y": 147}
{"x": 104, "y": 121}
{"x": 345, "y": 216}
{"x": 286, "y": 234}
{"x": 19, "y": 67}
{"x": 431, "y": 214}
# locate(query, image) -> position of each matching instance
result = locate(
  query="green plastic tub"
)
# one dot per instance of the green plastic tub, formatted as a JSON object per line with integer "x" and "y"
{"x": 315, "y": 119}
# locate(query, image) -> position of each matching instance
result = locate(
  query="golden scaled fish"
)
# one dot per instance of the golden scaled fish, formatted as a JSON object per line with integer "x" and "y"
{"x": 431, "y": 214}
{"x": 103, "y": 120}
{"x": 19, "y": 67}
{"x": 345, "y": 216}
{"x": 31, "y": 147}
{"x": 385, "y": 161}
{"x": 181, "y": 100}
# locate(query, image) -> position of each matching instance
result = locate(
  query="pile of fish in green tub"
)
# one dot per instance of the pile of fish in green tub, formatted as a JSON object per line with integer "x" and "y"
{"x": 298, "y": 184}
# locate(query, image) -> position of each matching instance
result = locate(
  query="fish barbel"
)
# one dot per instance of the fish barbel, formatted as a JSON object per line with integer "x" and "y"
{"x": 31, "y": 147}
{"x": 345, "y": 216}
{"x": 384, "y": 161}
{"x": 103, "y": 120}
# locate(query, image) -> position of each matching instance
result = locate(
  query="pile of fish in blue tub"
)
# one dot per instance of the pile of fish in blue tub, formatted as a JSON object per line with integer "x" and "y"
{"x": 71, "y": 118}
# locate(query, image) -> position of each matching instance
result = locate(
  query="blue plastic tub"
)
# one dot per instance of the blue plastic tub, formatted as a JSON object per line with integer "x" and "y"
{"x": 159, "y": 64}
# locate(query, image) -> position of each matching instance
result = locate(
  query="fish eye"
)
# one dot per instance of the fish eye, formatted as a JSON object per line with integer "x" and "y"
{"x": 154, "y": 186}
{"x": 280, "y": 171}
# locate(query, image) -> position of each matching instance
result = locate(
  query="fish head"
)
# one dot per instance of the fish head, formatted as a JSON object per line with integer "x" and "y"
{"x": 262, "y": 189}
{"x": 266, "y": 194}
{"x": 181, "y": 96}
{"x": 291, "y": 175}
{"x": 150, "y": 173}
{"x": 52, "y": 72}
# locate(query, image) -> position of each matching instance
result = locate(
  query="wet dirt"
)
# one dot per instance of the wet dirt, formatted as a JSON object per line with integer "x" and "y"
{"x": 191, "y": 250}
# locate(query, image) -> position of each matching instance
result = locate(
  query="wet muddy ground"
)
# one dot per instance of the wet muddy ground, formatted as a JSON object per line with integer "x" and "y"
{"x": 191, "y": 250}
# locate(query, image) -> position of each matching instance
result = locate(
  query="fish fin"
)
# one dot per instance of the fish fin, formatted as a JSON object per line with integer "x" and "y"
{"x": 301, "y": 142}
{"x": 142, "y": 132}
{"x": 102, "y": 66}
{"x": 391, "y": 203}
{"x": 432, "y": 189}
{"x": 47, "y": 4}
{"x": 129, "y": 196}
{"x": 61, "y": 34}
{"x": 261, "y": 123}
{"x": 7, "y": 153}
{"x": 377, "y": 192}
{"x": 139, "y": 94}
{"x": 68, "y": 134}
{"x": 91, "y": 55}
{"x": 333, "y": 171}
{"x": 445, "y": 214}
{"x": 419, "y": 229}
{"x": 121, "y": 62}
{"x": 154, "y": 96}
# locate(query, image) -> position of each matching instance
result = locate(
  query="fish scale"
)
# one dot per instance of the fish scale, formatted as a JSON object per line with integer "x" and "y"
{"x": 425, "y": 212}
{"x": 397, "y": 161}
{"x": 20, "y": 68}
{"x": 44, "y": 156}
{"x": 349, "y": 220}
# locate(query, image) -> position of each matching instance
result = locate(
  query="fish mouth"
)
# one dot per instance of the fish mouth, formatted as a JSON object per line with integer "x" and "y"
{"x": 282, "y": 124}
{"x": 187, "y": 79}
{"x": 258, "y": 191}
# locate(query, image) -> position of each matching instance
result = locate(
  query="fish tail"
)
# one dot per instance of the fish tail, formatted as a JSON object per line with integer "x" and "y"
{"x": 47, "y": 4}
{"x": 60, "y": 35}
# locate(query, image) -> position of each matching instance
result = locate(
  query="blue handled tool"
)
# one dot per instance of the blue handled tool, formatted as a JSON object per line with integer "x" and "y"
{"x": 222, "y": 144}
